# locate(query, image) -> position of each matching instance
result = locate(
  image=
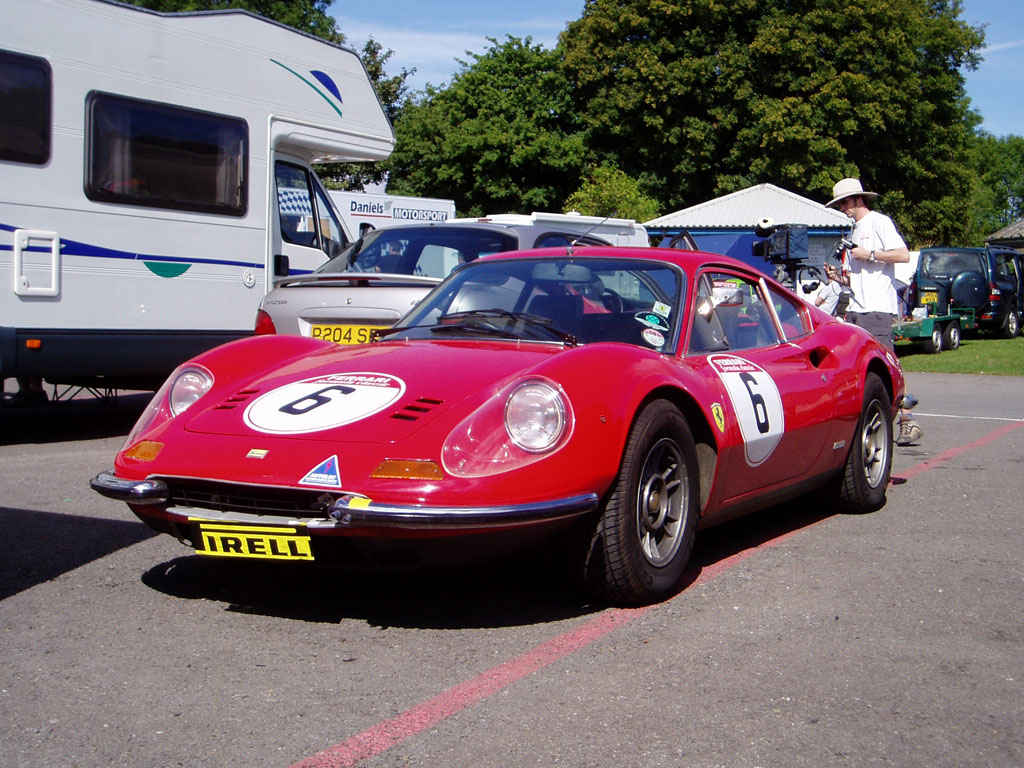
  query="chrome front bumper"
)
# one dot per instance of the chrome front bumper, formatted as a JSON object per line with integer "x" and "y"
{"x": 353, "y": 510}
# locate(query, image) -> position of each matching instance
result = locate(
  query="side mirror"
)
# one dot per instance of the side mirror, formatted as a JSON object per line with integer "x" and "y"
{"x": 281, "y": 267}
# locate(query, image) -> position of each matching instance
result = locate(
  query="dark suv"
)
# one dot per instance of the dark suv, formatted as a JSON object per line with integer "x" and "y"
{"x": 987, "y": 280}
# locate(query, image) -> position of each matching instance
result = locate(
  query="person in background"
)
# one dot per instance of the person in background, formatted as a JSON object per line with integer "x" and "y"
{"x": 871, "y": 274}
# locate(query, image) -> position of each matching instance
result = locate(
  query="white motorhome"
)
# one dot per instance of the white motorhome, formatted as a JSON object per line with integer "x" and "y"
{"x": 155, "y": 176}
{"x": 614, "y": 231}
{"x": 363, "y": 211}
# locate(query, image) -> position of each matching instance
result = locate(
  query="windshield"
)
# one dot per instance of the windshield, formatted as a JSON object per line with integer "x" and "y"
{"x": 566, "y": 300}
{"x": 423, "y": 251}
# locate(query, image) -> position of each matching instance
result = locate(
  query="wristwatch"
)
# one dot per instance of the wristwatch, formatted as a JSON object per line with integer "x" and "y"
{"x": 872, "y": 256}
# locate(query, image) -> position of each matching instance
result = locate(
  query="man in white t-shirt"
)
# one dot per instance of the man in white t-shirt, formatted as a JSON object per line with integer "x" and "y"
{"x": 871, "y": 273}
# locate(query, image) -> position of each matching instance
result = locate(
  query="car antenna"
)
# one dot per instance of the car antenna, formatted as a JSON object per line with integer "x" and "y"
{"x": 568, "y": 251}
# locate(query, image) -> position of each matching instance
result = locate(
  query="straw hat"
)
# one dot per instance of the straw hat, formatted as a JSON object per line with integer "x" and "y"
{"x": 845, "y": 188}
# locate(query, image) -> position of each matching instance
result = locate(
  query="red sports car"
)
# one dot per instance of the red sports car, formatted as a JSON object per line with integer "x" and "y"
{"x": 620, "y": 398}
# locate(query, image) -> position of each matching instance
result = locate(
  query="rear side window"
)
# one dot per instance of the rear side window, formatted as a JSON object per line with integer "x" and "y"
{"x": 26, "y": 89}
{"x": 162, "y": 156}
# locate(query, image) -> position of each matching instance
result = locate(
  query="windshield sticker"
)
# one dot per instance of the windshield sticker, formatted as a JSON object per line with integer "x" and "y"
{"x": 324, "y": 474}
{"x": 651, "y": 320}
{"x": 662, "y": 309}
{"x": 323, "y": 402}
{"x": 653, "y": 337}
{"x": 756, "y": 402}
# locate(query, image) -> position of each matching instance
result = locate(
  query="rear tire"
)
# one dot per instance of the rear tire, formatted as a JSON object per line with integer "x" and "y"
{"x": 869, "y": 462}
{"x": 951, "y": 335}
{"x": 637, "y": 551}
{"x": 1011, "y": 325}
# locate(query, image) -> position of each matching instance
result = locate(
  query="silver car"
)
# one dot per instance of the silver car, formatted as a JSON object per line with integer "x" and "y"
{"x": 379, "y": 277}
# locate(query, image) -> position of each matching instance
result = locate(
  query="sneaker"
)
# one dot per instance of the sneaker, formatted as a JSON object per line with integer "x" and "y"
{"x": 910, "y": 432}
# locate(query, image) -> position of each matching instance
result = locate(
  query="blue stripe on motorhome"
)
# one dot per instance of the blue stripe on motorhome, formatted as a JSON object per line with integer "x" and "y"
{"x": 76, "y": 248}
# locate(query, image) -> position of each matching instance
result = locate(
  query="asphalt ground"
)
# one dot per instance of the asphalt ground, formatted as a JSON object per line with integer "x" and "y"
{"x": 803, "y": 638}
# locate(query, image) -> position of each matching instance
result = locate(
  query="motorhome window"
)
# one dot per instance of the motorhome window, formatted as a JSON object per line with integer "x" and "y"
{"x": 161, "y": 156}
{"x": 26, "y": 90}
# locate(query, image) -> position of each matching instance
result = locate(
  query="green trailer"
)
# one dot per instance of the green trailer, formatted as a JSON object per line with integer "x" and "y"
{"x": 936, "y": 332}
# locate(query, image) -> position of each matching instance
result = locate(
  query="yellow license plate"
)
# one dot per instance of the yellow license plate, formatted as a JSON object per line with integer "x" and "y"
{"x": 345, "y": 334}
{"x": 259, "y": 542}
{"x": 929, "y": 297}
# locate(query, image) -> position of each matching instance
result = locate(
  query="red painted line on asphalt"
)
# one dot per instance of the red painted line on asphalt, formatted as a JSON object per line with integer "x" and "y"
{"x": 952, "y": 453}
{"x": 387, "y": 734}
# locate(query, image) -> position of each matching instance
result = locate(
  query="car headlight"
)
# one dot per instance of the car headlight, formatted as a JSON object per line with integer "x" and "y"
{"x": 190, "y": 384}
{"x": 520, "y": 424}
{"x": 535, "y": 416}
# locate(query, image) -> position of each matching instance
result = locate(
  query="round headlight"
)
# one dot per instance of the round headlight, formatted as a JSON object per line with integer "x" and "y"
{"x": 189, "y": 385}
{"x": 535, "y": 417}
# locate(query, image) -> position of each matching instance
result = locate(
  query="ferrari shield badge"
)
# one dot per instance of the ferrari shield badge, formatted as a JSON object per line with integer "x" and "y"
{"x": 719, "y": 414}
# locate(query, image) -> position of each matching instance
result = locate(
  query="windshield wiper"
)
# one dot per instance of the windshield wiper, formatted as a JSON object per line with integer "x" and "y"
{"x": 525, "y": 317}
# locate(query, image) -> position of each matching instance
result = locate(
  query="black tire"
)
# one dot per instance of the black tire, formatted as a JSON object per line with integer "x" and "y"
{"x": 1011, "y": 325}
{"x": 933, "y": 344}
{"x": 951, "y": 335}
{"x": 869, "y": 462}
{"x": 637, "y": 551}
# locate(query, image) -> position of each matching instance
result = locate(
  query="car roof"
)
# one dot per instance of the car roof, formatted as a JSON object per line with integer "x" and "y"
{"x": 689, "y": 261}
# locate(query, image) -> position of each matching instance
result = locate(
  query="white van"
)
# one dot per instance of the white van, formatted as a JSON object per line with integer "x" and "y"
{"x": 364, "y": 211}
{"x": 614, "y": 231}
{"x": 155, "y": 175}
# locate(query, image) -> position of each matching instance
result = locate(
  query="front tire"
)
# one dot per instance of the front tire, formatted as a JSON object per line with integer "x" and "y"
{"x": 869, "y": 462}
{"x": 639, "y": 548}
{"x": 933, "y": 344}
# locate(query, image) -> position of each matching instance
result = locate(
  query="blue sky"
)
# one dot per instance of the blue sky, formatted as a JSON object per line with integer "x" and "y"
{"x": 430, "y": 36}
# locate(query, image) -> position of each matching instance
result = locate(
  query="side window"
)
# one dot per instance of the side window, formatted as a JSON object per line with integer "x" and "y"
{"x": 791, "y": 317}
{"x": 162, "y": 156}
{"x": 729, "y": 313}
{"x": 26, "y": 92}
{"x": 306, "y": 216}
{"x": 295, "y": 205}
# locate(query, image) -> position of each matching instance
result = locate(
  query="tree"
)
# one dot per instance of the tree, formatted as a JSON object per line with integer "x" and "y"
{"x": 704, "y": 97}
{"x": 999, "y": 164}
{"x": 607, "y": 191}
{"x": 499, "y": 138}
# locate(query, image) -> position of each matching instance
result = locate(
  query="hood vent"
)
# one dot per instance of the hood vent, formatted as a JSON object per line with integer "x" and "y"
{"x": 416, "y": 409}
{"x": 233, "y": 401}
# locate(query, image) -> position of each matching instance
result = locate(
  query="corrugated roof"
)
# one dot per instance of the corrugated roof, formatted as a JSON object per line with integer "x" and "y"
{"x": 1013, "y": 231}
{"x": 745, "y": 208}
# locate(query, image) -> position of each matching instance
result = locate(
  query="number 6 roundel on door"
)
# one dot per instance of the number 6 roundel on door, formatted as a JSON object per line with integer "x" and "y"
{"x": 756, "y": 402}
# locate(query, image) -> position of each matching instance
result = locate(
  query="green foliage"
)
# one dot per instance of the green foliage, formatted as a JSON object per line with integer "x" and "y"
{"x": 712, "y": 96}
{"x": 497, "y": 139}
{"x": 306, "y": 15}
{"x": 999, "y": 165}
{"x": 607, "y": 191}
